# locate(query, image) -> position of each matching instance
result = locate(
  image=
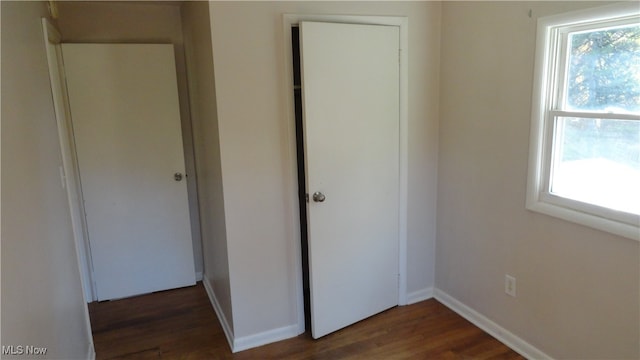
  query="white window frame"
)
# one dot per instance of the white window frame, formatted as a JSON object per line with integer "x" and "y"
{"x": 549, "y": 82}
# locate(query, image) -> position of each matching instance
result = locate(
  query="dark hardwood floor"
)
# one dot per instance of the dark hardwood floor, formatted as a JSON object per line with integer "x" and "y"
{"x": 181, "y": 324}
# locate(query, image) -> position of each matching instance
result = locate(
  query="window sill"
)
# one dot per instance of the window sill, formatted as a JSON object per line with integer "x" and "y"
{"x": 593, "y": 221}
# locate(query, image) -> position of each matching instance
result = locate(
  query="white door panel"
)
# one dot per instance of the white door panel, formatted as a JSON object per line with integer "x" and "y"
{"x": 126, "y": 122}
{"x": 350, "y": 77}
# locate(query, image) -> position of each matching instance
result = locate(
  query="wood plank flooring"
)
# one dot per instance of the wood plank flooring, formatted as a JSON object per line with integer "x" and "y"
{"x": 181, "y": 324}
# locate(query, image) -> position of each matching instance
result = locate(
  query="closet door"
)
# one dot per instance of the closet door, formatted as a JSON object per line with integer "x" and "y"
{"x": 350, "y": 89}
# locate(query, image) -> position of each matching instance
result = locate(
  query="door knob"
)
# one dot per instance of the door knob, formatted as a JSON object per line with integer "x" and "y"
{"x": 318, "y": 196}
{"x": 177, "y": 176}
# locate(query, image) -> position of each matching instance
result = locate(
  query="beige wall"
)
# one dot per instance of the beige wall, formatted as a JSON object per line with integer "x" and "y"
{"x": 129, "y": 22}
{"x": 578, "y": 288}
{"x": 199, "y": 55}
{"x": 42, "y": 300}
{"x": 260, "y": 194}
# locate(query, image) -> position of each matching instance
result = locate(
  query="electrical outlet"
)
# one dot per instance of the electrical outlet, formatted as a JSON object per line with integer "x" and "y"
{"x": 510, "y": 285}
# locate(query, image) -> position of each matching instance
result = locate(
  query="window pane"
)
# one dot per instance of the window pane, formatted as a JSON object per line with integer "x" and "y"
{"x": 604, "y": 70}
{"x": 597, "y": 161}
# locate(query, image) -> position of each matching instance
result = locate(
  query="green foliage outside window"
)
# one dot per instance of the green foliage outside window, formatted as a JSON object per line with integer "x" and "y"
{"x": 604, "y": 75}
{"x": 604, "y": 70}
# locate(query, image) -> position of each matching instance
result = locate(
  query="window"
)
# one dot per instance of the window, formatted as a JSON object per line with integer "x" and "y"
{"x": 585, "y": 134}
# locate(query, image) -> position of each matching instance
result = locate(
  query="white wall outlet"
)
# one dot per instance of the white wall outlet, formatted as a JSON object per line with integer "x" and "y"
{"x": 510, "y": 285}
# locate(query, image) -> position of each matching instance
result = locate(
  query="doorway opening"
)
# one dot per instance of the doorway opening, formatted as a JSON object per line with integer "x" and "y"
{"x": 299, "y": 229}
{"x": 302, "y": 193}
{"x": 294, "y": 35}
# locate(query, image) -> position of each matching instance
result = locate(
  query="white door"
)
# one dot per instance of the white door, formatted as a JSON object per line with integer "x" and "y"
{"x": 350, "y": 86}
{"x": 126, "y": 124}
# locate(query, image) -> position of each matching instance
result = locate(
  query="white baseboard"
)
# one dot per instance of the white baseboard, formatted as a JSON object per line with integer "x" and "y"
{"x": 263, "y": 338}
{"x": 251, "y": 341}
{"x": 420, "y": 295}
{"x": 503, "y": 335}
{"x": 199, "y": 276}
{"x": 216, "y": 307}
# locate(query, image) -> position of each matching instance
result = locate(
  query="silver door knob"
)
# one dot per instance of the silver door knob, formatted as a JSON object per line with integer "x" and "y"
{"x": 318, "y": 196}
{"x": 177, "y": 176}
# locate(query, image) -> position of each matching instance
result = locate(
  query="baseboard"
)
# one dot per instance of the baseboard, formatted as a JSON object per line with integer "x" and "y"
{"x": 263, "y": 338}
{"x": 503, "y": 335}
{"x": 199, "y": 276}
{"x": 420, "y": 295}
{"x": 216, "y": 307}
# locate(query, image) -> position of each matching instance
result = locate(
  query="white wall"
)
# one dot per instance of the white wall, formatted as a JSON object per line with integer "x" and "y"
{"x": 42, "y": 299}
{"x": 199, "y": 56}
{"x": 577, "y": 288}
{"x": 127, "y": 22}
{"x": 260, "y": 194}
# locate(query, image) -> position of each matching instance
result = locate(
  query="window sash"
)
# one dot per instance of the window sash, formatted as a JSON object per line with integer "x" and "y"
{"x": 550, "y": 147}
{"x": 559, "y": 35}
{"x": 593, "y": 115}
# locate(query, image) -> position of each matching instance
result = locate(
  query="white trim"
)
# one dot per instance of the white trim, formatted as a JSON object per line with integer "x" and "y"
{"x": 52, "y": 40}
{"x": 216, "y": 307}
{"x": 250, "y": 341}
{"x": 592, "y": 221}
{"x": 506, "y": 337}
{"x": 593, "y": 115}
{"x": 266, "y": 337}
{"x": 403, "y": 23}
{"x": 76, "y": 208}
{"x": 420, "y": 295}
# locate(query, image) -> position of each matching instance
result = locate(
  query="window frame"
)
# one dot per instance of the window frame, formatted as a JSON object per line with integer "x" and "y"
{"x": 549, "y": 87}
